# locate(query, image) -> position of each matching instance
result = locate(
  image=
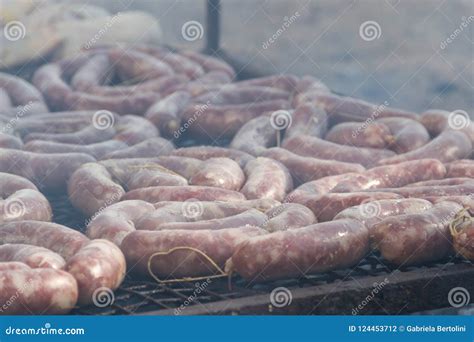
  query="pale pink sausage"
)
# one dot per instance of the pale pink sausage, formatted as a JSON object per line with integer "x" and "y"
{"x": 41, "y": 291}
{"x": 218, "y": 245}
{"x": 33, "y": 256}
{"x": 299, "y": 252}
{"x": 99, "y": 264}
{"x": 266, "y": 178}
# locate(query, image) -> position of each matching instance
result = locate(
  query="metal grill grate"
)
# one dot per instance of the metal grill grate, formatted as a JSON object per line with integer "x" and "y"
{"x": 142, "y": 296}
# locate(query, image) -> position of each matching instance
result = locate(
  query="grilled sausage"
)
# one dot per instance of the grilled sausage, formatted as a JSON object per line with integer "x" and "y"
{"x": 266, "y": 178}
{"x": 218, "y": 245}
{"x": 306, "y": 169}
{"x": 327, "y": 206}
{"x": 317, "y": 148}
{"x": 42, "y": 291}
{"x": 49, "y": 172}
{"x": 448, "y": 146}
{"x": 288, "y": 216}
{"x": 416, "y": 238}
{"x": 96, "y": 265}
{"x": 33, "y": 256}
{"x": 298, "y": 252}
{"x": 394, "y": 176}
{"x": 219, "y": 172}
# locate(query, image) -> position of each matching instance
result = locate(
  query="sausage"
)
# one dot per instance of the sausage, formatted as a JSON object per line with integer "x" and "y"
{"x": 42, "y": 291}
{"x": 5, "y": 101}
{"x": 266, "y": 178}
{"x": 294, "y": 253}
{"x": 307, "y": 119}
{"x": 305, "y": 169}
{"x": 394, "y": 176}
{"x": 133, "y": 129}
{"x": 206, "y": 121}
{"x": 135, "y": 65}
{"x": 373, "y": 135}
{"x": 317, "y": 187}
{"x": 432, "y": 191}
{"x": 251, "y": 217}
{"x": 219, "y": 172}
{"x": 49, "y": 172}
{"x": 233, "y": 94}
{"x": 191, "y": 211}
{"x": 166, "y": 113}
{"x": 55, "y": 237}
{"x": 118, "y": 220}
{"x": 317, "y": 148}
{"x": 181, "y": 193}
{"x": 209, "y": 63}
{"x": 207, "y": 152}
{"x": 343, "y": 109}
{"x": 95, "y": 72}
{"x": 460, "y": 168}
{"x": 218, "y": 245}
{"x": 442, "y": 182}
{"x": 48, "y": 79}
{"x": 373, "y": 212}
{"x": 25, "y": 204}
{"x": 178, "y": 63}
{"x": 95, "y": 186}
{"x": 152, "y": 147}
{"x": 23, "y": 95}
{"x": 437, "y": 121}
{"x": 91, "y": 188}
{"x": 59, "y": 122}
{"x": 467, "y": 201}
{"x": 255, "y": 136}
{"x": 416, "y": 238}
{"x": 207, "y": 82}
{"x": 286, "y": 82}
{"x": 406, "y": 134}
{"x": 288, "y": 216}
{"x": 97, "y": 265}
{"x": 446, "y": 147}
{"x": 86, "y": 135}
{"x": 186, "y": 167}
{"x": 10, "y": 141}
{"x": 21, "y": 200}
{"x": 96, "y": 150}
{"x": 327, "y": 206}
{"x": 33, "y": 256}
{"x": 309, "y": 84}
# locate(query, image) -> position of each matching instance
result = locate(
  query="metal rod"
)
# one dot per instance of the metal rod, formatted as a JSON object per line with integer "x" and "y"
{"x": 213, "y": 26}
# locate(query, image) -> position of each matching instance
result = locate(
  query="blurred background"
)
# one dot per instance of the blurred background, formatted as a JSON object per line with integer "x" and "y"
{"x": 409, "y": 54}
